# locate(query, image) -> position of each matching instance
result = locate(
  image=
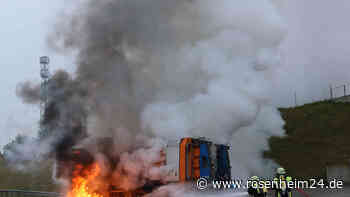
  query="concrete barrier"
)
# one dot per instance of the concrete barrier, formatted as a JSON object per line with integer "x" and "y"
{"x": 339, "y": 172}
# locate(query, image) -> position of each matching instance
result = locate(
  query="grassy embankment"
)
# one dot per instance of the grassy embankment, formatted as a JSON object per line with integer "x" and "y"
{"x": 36, "y": 179}
{"x": 317, "y": 135}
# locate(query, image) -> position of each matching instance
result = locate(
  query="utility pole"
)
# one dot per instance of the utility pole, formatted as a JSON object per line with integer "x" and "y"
{"x": 295, "y": 98}
{"x": 44, "y": 91}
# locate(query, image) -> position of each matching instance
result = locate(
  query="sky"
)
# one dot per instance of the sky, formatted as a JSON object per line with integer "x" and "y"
{"x": 24, "y": 26}
{"x": 316, "y": 50}
{"x": 315, "y": 55}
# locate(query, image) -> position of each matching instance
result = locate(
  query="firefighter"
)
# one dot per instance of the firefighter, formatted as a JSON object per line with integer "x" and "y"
{"x": 281, "y": 183}
{"x": 255, "y": 188}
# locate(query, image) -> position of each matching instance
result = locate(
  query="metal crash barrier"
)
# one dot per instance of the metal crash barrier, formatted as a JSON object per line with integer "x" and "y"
{"x": 23, "y": 193}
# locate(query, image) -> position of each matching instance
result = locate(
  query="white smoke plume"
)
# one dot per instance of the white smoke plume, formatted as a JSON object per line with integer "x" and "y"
{"x": 230, "y": 72}
{"x": 175, "y": 68}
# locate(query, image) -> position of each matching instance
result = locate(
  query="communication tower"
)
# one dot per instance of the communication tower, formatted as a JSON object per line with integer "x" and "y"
{"x": 44, "y": 90}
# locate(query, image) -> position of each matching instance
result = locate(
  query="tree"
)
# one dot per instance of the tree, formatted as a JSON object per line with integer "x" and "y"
{"x": 11, "y": 147}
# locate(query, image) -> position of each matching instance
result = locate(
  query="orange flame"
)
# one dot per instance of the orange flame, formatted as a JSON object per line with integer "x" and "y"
{"x": 82, "y": 178}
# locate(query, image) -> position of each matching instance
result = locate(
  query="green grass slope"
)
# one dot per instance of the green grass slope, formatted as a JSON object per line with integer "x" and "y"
{"x": 317, "y": 135}
{"x": 37, "y": 178}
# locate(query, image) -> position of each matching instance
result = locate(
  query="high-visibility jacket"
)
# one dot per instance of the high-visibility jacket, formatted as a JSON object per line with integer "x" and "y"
{"x": 282, "y": 189}
{"x": 265, "y": 189}
{"x": 256, "y": 191}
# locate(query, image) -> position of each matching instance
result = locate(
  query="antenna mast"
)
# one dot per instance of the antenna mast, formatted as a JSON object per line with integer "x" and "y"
{"x": 44, "y": 91}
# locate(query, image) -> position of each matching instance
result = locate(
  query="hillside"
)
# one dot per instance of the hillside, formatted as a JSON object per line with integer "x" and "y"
{"x": 30, "y": 178}
{"x": 317, "y": 135}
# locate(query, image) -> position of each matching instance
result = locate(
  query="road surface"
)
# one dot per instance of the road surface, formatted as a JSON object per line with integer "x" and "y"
{"x": 345, "y": 192}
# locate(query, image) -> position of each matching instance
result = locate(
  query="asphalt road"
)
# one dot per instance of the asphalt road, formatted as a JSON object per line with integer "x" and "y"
{"x": 345, "y": 192}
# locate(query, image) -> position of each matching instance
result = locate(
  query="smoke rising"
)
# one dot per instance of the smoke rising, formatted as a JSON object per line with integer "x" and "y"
{"x": 166, "y": 69}
{"x": 29, "y": 92}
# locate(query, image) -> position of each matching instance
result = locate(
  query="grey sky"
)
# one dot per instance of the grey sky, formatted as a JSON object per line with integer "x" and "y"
{"x": 316, "y": 49}
{"x": 315, "y": 54}
{"x": 24, "y": 25}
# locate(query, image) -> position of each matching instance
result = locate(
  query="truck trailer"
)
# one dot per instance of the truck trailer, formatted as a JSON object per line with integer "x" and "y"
{"x": 186, "y": 160}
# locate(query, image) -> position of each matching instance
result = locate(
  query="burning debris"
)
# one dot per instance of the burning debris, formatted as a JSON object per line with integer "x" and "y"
{"x": 159, "y": 69}
{"x": 84, "y": 179}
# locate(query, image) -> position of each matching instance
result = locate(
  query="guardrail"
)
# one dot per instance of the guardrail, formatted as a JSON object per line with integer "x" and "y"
{"x": 23, "y": 193}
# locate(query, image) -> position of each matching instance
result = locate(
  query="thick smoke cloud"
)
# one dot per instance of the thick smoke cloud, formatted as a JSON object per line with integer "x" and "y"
{"x": 170, "y": 69}
{"x": 29, "y": 92}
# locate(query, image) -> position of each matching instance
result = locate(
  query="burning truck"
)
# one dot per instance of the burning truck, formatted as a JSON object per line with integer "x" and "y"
{"x": 166, "y": 69}
{"x": 186, "y": 160}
